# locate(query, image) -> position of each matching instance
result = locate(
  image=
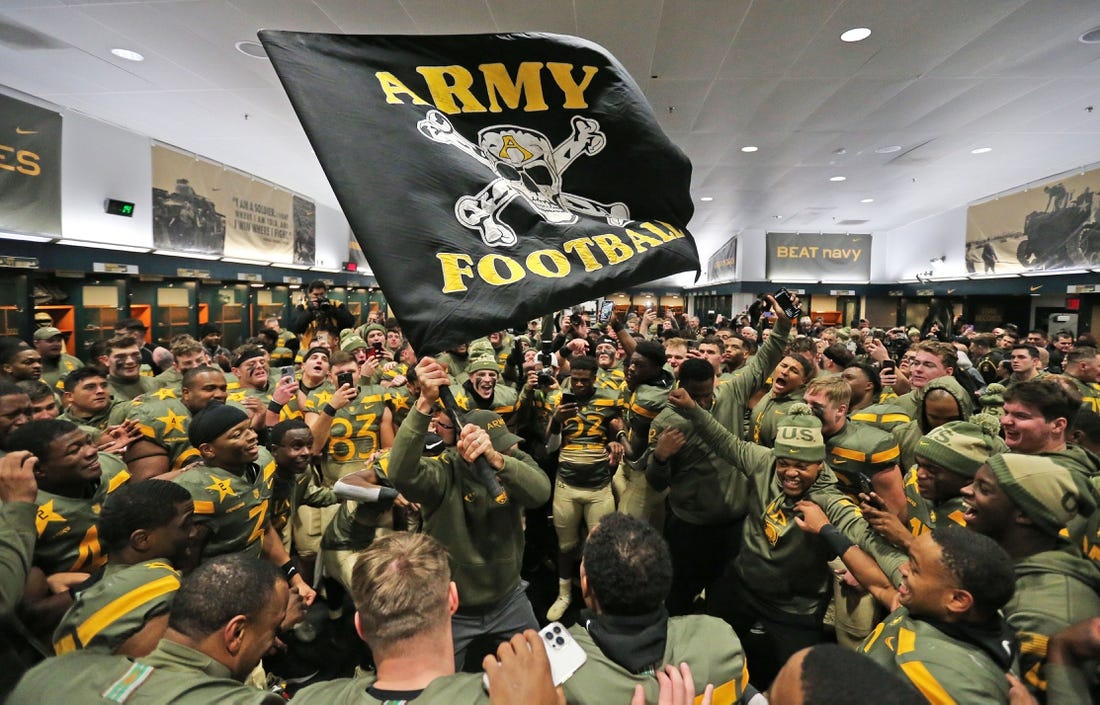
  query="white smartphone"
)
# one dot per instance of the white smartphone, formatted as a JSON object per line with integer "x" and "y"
{"x": 565, "y": 654}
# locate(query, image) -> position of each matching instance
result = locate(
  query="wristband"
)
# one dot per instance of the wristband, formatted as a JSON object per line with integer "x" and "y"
{"x": 836, "y": 540}
{"x": 274, "y": 406}
{"x": 329, "y": 410}
{"x": 289, "y": 570}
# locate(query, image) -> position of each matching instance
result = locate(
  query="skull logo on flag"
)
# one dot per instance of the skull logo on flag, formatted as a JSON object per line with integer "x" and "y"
{"x": 527, "y": 166}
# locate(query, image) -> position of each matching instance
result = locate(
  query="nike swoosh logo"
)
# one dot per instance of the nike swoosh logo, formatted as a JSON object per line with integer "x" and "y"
{"x": 1036, "y": 287}
{"x": 21, "y": 131}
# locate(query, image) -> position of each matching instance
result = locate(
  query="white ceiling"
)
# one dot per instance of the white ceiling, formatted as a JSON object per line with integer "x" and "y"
{"x": 936, "y": 78}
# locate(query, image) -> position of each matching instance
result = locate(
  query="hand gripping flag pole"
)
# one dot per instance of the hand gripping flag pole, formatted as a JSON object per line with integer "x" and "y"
{"x": 482, "y": 469}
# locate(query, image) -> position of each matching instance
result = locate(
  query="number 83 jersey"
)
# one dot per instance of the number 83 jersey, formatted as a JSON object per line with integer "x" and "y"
{"x": 354, "y": 435}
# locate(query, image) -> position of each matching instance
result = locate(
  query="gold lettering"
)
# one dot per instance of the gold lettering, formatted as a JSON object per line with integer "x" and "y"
{"x": 508, "y": 144}
{"x": 641, "y": 241}
{"x": 537, "y": 265}
{"x": 574, "y": 92}
{"x": 613, "y": 248}
{"x": 666, "y": 237}
{"x": 5, "y": 148}
{"x": 28, "y": 163}
{"x": 488, "y": 270}
{"x": 445, "y": 93}
{"x": 582, "y": 247}
{"x": 392, "y": 86}
{"x": 527, "y": 83}
{"x": 456, "y": 266}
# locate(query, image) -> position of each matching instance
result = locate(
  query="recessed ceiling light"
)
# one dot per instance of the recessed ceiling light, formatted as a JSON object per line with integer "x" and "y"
{"x": 981, "y": 150}
{"x": 866, "y": 200}
{"x": 749, "y": 148}
{"x": 890, "y": 149}
{"x": 128, "y": 55}
{"x": 838, "y": 178}
{"x": 777, "y": 217}
{"x": 252, "y": 49}
{"x": 855, "y": 34}
{"x": 1090, "y": 37}
{"x": 707, "y": 199}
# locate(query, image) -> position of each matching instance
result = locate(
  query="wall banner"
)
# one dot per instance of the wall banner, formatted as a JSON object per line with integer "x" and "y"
{"x": 722, "y": 265}
{"x": 30, "y": 168}
{"x": 823, "y": 256}
{"x": 1050, "y": 226}
{"x": 204, "y": 207}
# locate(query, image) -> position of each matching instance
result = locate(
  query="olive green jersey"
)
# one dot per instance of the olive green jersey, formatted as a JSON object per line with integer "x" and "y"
{"x": 454, "y": 689}
{"x": 164, "y": 420}
{"x": 289, "y": 493}
{"x": 356, "y": 428}
{"x": 401, "y": 400}
{"x": 355, "y": 523}
{"x": 881, "y": 416}
{"x": 704, "y": 489}
{"x": 68, "y": 539}
{"x": 643, "y": 405}
{"x": 923, "y": 515}
{"x": 1090, "y": 392}
{"x": 766, "y": 415}
{"x": 290, "y": 410}
{"x": 172, "y": 673}
{"x": 506, "y": 401}
{"x": 99, "y": 421}
{"x": 784, "y": 569}
{"x": 611, "y": 378}
{"x": 17, "y": 523}
{"x": 857, "y": 452}
{"x": 583, "y": 460}
{"x": 53, "y": 374}
{"x": 1054, "y": 590}
{"x": 944, "y": 669}
{"x": 117, "y": 606}
{"x": 233, "y": 507}
{"x": 124, "y": 391}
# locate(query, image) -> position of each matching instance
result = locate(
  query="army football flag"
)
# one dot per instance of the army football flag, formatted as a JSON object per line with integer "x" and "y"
{"x": 490, "y": 178}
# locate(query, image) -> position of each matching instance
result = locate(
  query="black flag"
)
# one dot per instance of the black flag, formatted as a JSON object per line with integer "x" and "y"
{"x": 490, "y": 178}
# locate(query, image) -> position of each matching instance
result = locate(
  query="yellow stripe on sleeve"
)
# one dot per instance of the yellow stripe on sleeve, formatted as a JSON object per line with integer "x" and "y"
{"x": 889, "y": 454}
{"x": 137, "y": 597}
{"x": 926, "y": 683}
{"x": 203, "y": 506}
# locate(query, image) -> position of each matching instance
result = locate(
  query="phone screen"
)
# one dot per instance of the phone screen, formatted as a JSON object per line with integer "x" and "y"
{"x": 287, "y": 371}
{"x": 783, "y": 298}
{"x": 343, "y": 378}
{"x": 567, "y": 398}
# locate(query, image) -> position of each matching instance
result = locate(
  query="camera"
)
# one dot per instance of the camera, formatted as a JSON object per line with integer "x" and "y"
{"x": 325, "y": 305}
{"x": 546, "y": 377}
{"x": 575, "y": 319}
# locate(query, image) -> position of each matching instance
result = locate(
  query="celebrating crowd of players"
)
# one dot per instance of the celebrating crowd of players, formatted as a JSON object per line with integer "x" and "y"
{"x": 734, "y": 497}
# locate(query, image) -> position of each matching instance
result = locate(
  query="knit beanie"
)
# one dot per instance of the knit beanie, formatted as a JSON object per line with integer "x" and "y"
{"x": 482, "y": 362}
{"x": 1051, "y": 495}
{"x": 959, "y": 446}
{"x": 351, "y": 342}
{"x": 994, "y": 395}
{"x": 799, "y": 435}
{"x": 366, "y": 331}
{"x": 212, "y": 422}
